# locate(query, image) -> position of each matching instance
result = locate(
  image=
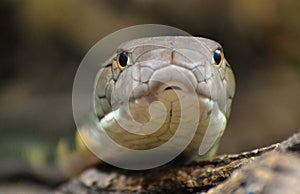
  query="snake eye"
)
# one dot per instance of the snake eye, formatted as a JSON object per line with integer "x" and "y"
{"x": 122, "y": 60}
{"x": 218, "y": 57}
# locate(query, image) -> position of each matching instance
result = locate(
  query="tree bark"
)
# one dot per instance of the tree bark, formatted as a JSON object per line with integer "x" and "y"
{"x": 272, "y": 169}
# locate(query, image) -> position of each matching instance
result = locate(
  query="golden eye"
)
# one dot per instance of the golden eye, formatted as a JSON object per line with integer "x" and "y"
{"x": 218, "y": 57}
{"x": 122, "y": 60}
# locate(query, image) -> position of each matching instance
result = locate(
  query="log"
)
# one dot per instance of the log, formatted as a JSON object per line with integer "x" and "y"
{"x": 271, "y": 169}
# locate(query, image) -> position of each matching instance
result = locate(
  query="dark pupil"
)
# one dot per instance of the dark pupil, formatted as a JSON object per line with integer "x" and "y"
{"x": 217, "y": 56}
{"x": 123, "y": 59}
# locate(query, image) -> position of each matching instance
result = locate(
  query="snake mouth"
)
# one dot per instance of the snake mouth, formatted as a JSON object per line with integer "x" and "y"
{"x": 181, "y": 88}
{"x": 172, "y": 88}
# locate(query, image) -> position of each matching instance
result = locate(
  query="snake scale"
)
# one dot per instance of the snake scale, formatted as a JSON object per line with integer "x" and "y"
{"x": 143, "y": 72}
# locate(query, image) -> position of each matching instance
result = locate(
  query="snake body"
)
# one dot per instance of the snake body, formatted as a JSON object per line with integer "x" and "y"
{"x": 143, "y": 72}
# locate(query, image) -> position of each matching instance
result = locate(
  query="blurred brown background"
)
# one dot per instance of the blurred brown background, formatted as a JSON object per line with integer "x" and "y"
{"x": 43, "y": 43}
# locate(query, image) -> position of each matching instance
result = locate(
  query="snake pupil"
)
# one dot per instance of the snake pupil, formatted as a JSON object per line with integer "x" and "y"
{"x": 218, "y": 56}
{"x": 122, "y": 59}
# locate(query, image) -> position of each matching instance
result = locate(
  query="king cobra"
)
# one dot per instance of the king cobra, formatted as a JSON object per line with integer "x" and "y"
{"x": 141, "y": 83}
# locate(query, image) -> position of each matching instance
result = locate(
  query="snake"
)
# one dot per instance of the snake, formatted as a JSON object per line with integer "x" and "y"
{"x": 146, "y": 81}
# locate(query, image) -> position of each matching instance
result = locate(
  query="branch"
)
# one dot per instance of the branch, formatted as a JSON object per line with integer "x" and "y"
{"x": 254, "y": 171}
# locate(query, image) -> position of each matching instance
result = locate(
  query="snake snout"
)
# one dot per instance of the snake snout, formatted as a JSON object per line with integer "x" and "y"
{"x": 172, "y": 78}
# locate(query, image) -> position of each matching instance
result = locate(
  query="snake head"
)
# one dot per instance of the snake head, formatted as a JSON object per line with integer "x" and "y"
{"x": 150, "y": 66}
{"x": 160, "y": 90}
